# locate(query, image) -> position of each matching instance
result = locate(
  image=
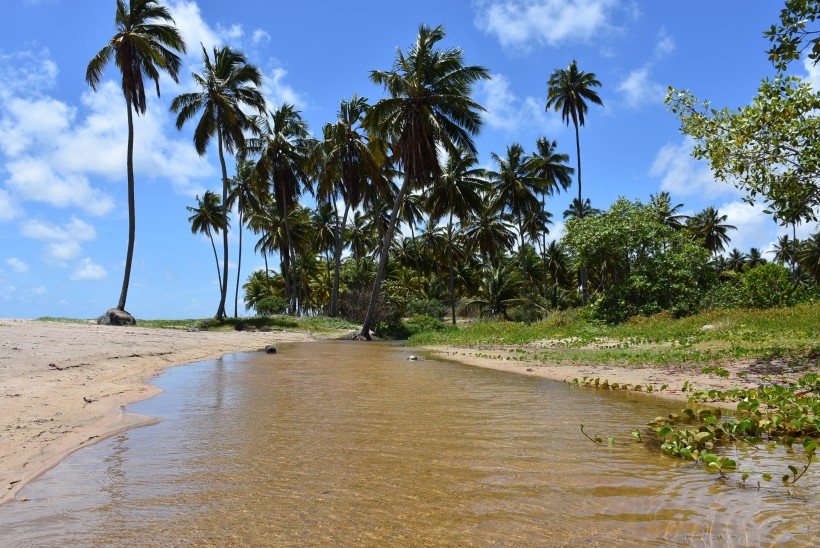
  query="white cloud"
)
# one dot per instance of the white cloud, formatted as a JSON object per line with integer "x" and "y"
{"x": 812, "y": 73}
{"x": 17, "y": 265}
{"x": 88, "y": 270}
{"x": 754, "y": 228}
{"x": 639, "y": 90}
{"x": 524, "y": 23}
{"x": 8, "y": 209}
{"x": 683, "y": 175}
{"x": 276, "y": 91}
{"x": 63, "y": 242}
{"x": 509, "y": 113}
{"x": 665, "y": 45}
{"x": 27, "y": 72}
{"x": 259, "y": 36}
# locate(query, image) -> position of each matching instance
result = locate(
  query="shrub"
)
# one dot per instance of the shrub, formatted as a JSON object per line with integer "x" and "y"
{"x": 768, "y": 285}
{"x": 422, "y": 322}
{"x": 427, "y": 307}
{"x": 268, "y": 306}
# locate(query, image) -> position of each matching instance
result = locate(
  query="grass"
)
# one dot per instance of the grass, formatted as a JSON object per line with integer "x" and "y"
{"x": 312, "y": 324}
{"x": 792, "y": 334}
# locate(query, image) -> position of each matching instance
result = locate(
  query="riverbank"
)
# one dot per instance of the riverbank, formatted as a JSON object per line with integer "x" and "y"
{"x": 63, "y": 385}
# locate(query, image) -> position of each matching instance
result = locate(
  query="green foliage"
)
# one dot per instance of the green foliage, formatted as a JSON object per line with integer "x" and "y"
{"x": 642, "y": 266}
{"x": 768, "y": 149}
{"x": 792, "y": 36}
{"x": 422, "y": 323}
{"x": 269, "y": 306}
{"x": 427, "y": 307}
{"x": 768, "y": 285}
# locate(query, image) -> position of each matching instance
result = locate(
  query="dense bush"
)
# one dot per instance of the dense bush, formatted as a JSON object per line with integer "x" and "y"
{"x": 422, "y": 322}
{"x": 768, "y": 285}
{"x": 268, "y": 306}
{"x": 427, "y": 307}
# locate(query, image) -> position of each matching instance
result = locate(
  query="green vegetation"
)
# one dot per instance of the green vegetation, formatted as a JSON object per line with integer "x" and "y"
{"x": 792, "y": 334}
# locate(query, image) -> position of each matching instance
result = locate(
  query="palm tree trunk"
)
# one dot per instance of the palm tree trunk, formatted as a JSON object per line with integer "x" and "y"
{"x": 267, "y": 272}
{"x": 385, "y": 250}
{"x": 216, "y": 258}
{"x": 337, "y": 260}
{"x": 289, "y": 260}
{"x": 238, "y": 266}
{"x": 452, "y": 267}
{"x": 418, "y": 258}
{"x": 522, "y": 251}
{"x": 581, "y": 211}
{"x": 132, "y": 214}
{"x": 220, "y": 312}
{"x": 544, "y": 249}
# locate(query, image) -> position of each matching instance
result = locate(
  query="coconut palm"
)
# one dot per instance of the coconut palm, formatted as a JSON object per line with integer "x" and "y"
{"x": 569, "y": 90}
{"x": 809, "y": 255}
{"x": 207, "y": 218}
{"x": 515, "y": 188}
{"x": 348, "y": 157}
{"x": 736, "y": 260}
{"x": 456, "y": 195}
{"x": 429, "y": 107}
{"x": 578, "y": 211}
{"x": 489, "y": 232}
{"x": 284, "y": 149}
{"x": 755, "y": 258}
{"x": 227, "y": 84}
{"x": 667, "y": 213}
{"x": 498, "y": 292}
{"x": 412, "y": 213}
{"x": 142, "y": 47}
{"x": 710, "y": 227}
{"x": 549, "y": 167}
{"x": 247, "y": 195}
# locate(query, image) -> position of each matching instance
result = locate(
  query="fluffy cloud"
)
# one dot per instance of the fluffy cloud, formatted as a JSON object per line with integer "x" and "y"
{"x": 639, "y": 90}
{"x": 683, "y": 175}
{"x": 508, "y": 112}
{"x": 754, "y": 228}
{"x": 88, "y": 270}
{"x": 63, "y": 242}
{"x": 17, "y": 265}
{"x": 665, "y": 45}
{"x": 276, "y": 91}
{"x": 524, "y": 23}
{"x": 8, "y": 209}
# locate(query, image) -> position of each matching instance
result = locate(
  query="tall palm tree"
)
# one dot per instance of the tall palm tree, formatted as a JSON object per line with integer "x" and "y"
{"x": 227, "y": 84}
{"x": 412, "y": 213}
{"x": 568, "y": 91}
{"x": 456, "y": 195}
{"x": 284, "y": 150}
{"x": 809, "y": 255}
{"x": 550, "y": 169}
{"x": 248, "y": 196}
{"x": 348, "y": 156}
{"x": 785, "y": 252}
{"x": 710, "y": 227}
{"x": 489, "y": 232}
{"x": 207, "y": 217}
{"x": 142, "y": 47}
{"x": 515, "y": 188}
{"x": 429, "y": 106}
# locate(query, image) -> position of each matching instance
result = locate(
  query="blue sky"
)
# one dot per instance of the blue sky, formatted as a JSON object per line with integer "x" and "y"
{"x": 63, "y": 214}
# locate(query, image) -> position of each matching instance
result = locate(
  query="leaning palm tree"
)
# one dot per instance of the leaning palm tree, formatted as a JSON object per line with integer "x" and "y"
{"x": 429, "y": 107}
{"x": 457, "y": 195}
{"x": 208, "y": 217}
{"x": 141, "y": 48}
{"x": 227, "y": 84}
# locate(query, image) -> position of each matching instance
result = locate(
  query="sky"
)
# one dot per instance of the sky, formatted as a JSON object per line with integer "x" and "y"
{"x": 63, "y": 204}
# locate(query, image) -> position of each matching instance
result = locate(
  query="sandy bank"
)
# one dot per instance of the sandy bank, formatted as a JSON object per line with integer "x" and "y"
{"x": 49, "y": 411}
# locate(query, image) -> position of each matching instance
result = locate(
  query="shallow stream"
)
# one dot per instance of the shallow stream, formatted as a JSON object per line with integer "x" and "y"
{"x": 350, "y": 444}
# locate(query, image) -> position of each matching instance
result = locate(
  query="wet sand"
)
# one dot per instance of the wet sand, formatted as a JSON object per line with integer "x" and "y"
{"x": 63, "y": 386}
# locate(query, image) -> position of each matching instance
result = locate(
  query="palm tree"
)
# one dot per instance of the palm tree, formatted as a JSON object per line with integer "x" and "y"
{"x": 347, "y": 156}
{"x": 755, "y": 258}
{"x": 498, "y": 292}
{"x": 428, "y": 107}
{"x": 785, "y": 251}
{"x": 568, "y": 91}
{"x": 553, "y": 175}
{"x": 578, "y": 211}
{"x": 490, "y": 232}
{"x": 667, "y": 213}
{"x": 515, "y": 188}
{"x": 141, "y": 48}
{"x": 457, "y": 194}
{"x": 227, "y": 84}
{"x": 284, "y": 150}
{"x": 247, "y": 197}
{"x": 710, "y": 227}
{"x": 809, "y": 255}
{"x": 412, "y": 213}
{"x": 208, "y": 217}
{"x": 736, "y": 260}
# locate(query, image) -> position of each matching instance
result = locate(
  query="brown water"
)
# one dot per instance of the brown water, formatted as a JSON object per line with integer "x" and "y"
{"x": 350, "y": 444}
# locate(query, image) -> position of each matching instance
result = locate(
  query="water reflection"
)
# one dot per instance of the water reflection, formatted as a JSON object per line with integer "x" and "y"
{"x": 351, "y": 444}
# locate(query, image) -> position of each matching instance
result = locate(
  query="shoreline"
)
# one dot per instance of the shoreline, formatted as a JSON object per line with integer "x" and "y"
{"x": 64, "y": 386}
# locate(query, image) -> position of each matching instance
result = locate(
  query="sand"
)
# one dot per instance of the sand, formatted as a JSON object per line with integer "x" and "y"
{"x": 63, "y": 386}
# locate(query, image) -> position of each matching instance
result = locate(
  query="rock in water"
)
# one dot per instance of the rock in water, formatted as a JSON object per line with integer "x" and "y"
{"x": 412, "y": 358}
{"x": 270, "y": 349}
{"x": 115, "y": 316}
